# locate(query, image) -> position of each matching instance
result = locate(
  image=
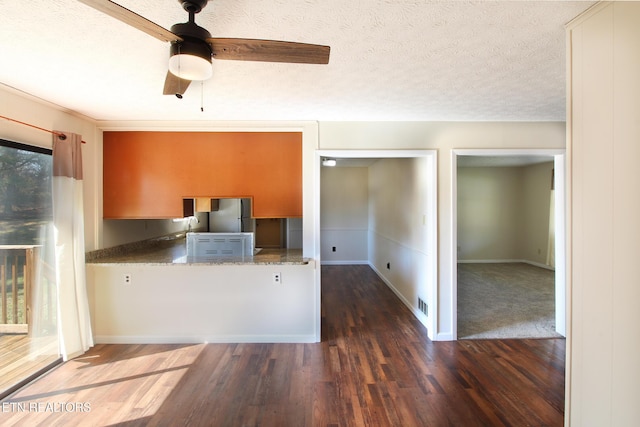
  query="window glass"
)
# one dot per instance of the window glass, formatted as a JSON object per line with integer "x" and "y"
{"x": 28, "y": 328}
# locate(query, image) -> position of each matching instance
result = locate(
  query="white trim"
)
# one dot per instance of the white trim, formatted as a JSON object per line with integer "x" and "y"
{"x": 197, "y": 339}
{"x": 568, "y": 371}
{"x": 505, "y": 261}
{"x": 416, "y": 313}
{"x": 422, "y": 251}
{"x": 206, "y": 126}
{"x": 453, "y": 244}
{"x": 14, "y": 91}
{"x": 339, "y": 262}
{"x": 432, "y": 201}
{"x": 580, "y": 19}
{"x": 561, "y": 255}
{"x": 509, "y": 152}
{"x": 445, "y": 337}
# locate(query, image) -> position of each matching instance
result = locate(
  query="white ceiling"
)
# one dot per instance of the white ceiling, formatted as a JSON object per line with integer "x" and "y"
{"x": 390, "y": 60}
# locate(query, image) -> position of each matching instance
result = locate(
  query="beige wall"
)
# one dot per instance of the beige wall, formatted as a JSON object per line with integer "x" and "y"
{"x": 503, "y": 213}
{"x": 344, "y": 206}
{"x": 489, "y": 213}
{"x": 536, "y": 201}
{"x": 120, "y": 231}
{"x": 384, "y": 210}
{"x": 445, "y": 137}
{"x": 399, "y": 247}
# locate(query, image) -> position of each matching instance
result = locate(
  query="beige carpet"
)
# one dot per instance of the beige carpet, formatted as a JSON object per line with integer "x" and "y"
{"x": 505, "y": 300}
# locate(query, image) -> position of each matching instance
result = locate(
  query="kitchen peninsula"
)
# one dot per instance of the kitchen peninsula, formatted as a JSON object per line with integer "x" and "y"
{"x": 170, "y": 250}
{"x": 151, "y": 292}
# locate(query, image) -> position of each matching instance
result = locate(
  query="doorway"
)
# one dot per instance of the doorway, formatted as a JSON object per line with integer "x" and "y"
{"x": 410, "y": 271}
{"x": 556, "y": 246}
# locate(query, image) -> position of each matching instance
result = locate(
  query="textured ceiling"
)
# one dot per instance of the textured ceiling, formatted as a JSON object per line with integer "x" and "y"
{"x": 390, "y": 60}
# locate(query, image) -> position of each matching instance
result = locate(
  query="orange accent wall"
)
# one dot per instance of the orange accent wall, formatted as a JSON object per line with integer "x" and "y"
{"x": 147, "y": 174}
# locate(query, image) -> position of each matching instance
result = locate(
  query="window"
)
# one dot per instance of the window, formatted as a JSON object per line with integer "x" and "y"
{"x": 28, "y": 327}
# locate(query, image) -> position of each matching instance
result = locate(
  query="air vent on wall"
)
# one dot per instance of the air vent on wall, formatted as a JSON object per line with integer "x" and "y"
{"x": 423, "y": 307}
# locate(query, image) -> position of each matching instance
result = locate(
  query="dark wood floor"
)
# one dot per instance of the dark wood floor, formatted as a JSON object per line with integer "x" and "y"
{"x": 374, "y": 367}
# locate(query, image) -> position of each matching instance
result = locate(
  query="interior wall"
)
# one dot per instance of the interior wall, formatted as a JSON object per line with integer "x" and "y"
{"x": 503, "y": 213}
{"x": 121, "y": 231}
{"x": 344, "y": 215}
{"x": 215, "y": 303}
{"x": 489, "y": 213}
{"x": 536, "y": 206}
{"x": 398, "y": 238}
{"x": 444, "y": 137}
{"x": 22, "y": 107}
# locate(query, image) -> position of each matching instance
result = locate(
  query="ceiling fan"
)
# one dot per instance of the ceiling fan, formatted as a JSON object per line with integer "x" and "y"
{"x": 192, "y": 47}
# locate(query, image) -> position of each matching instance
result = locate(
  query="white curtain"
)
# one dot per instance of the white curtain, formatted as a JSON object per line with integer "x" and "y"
{"x": 74, "y": 324}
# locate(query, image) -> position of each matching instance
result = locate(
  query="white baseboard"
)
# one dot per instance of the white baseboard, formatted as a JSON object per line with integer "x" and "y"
{"x": 445, "y": 337}
{"x": 502, "y": 261}
{"x": 182, "y": 339}
{"x": 416, "y": 313}
{"x": 338, "y": 262}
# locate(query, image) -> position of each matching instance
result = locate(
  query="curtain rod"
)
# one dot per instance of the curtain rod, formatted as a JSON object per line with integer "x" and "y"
{"x": 60, "y": 135}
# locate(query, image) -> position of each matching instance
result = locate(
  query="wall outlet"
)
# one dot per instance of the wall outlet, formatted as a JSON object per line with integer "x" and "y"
{"x": 388, "y": 266}
{"x": 333, "y": 249}
{"x": 127, "y": 279}
{"x": 277, "y": 278}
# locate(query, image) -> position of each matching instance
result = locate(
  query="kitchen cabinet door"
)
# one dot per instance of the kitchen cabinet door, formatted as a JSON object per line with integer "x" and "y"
{"x": 147, "y": 174}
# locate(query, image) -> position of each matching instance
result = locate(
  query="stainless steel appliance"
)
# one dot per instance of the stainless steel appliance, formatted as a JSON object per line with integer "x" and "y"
{"x": 206, "y": 245}
{"x": 232, "y": 216}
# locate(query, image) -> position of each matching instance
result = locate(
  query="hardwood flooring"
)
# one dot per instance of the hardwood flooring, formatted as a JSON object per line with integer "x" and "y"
{"x": 22, "y": 356}
{"x": 375, "y": 366}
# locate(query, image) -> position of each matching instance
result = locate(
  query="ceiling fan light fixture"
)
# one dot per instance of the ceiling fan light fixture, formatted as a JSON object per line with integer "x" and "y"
{"x": 191, "y": 60}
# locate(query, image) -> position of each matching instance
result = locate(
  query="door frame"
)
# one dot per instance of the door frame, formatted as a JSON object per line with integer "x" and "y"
{"x": 560, "y": 194}
{"x": 431, "y": 221}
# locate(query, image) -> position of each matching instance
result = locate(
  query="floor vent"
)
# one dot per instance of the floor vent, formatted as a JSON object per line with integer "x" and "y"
{"x": 423, "y": 307}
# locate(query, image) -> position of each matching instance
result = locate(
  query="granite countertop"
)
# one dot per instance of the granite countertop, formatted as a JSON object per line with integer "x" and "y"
{"x": 172, "y": 250}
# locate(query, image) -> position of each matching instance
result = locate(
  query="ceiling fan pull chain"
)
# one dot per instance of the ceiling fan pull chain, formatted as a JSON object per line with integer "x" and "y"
{"x": 202, "y": 96}
{"x": 179, "y": 93}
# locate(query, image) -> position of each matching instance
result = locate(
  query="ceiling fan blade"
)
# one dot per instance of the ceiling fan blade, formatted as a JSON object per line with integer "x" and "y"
{"x": 268, "y": 51}
{"x": 174, "y": 85}
{"x": 131, "y": 18}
